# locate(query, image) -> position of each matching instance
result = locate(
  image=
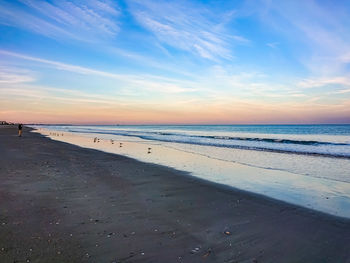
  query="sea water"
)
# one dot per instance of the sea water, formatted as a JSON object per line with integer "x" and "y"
{"x": 308, "y": 165}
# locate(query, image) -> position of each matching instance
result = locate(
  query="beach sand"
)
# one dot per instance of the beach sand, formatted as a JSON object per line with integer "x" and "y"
{"x": 64, "y": 203}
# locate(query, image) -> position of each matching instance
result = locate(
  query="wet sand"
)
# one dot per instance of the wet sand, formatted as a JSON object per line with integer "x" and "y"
{"x": 63, "y": 203}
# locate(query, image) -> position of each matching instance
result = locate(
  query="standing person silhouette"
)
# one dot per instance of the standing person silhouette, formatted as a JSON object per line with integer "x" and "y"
{"x": 20, "y": 126}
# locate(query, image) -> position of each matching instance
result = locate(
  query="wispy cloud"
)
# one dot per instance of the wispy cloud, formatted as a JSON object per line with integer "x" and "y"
{"x": 319, "y": 82}
{"x": 321, "y": 31}
{"x": 66, "y": 96}
{"x": 86, "y": 21}
{"x": 342, "y": 91}
{"x": 10, "y": 75}
{"x": 273, "y": 44}
{"x": 150, "y": 83}
{"x": 191, "y": 28}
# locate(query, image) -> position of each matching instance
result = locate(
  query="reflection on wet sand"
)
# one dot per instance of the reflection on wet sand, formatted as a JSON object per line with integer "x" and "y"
{"x": 321, "y": 194}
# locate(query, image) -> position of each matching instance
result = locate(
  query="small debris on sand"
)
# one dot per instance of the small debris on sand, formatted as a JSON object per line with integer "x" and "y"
{"x": 208, "y": 253}
{"x": 110, "y": 234}
{"x": 195, "y": 250}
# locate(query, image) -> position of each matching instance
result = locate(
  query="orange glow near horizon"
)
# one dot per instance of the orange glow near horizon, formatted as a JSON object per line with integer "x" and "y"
{"x": 192, "y": 114}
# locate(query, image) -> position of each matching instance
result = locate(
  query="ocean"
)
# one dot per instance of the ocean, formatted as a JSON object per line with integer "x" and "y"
{"x": 329, "y": 140}
{"x": 308, "y": 165}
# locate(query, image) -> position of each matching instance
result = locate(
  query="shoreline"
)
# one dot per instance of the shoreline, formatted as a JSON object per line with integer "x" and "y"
{"x": 221, "y": 186}
{"x": 313, "y": 192}
{"x": 250, "y": 137}
{"x": 50, "y": 182}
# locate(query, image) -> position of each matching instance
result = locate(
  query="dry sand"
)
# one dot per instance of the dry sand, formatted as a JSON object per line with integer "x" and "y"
{"x": 63, "y": 203}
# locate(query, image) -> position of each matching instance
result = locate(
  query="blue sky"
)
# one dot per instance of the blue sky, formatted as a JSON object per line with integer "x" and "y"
{"x": 100, "y": 61}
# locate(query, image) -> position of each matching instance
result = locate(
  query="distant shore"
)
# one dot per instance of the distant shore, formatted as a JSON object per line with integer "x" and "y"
{"x": 63, "y": 203}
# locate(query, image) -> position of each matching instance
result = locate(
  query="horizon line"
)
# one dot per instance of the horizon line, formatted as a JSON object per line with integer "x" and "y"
{"x": 181, "y": 124}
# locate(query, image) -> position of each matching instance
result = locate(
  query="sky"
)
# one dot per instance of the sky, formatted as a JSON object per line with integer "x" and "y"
{"x": 175, "y": 62}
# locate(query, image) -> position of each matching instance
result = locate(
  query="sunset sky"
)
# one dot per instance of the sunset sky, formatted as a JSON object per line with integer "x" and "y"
{"x": 198, "y": 62}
